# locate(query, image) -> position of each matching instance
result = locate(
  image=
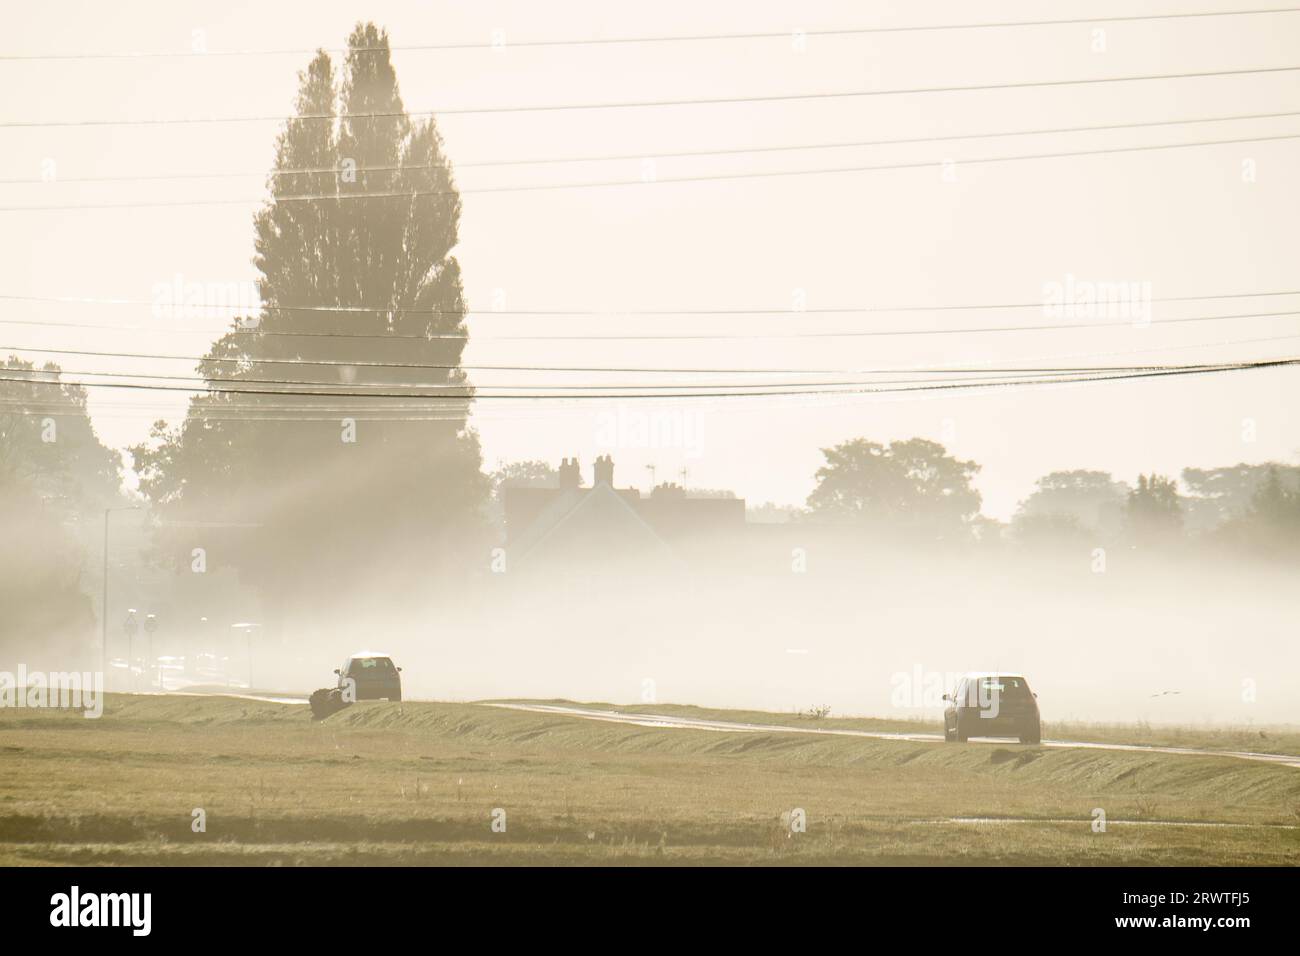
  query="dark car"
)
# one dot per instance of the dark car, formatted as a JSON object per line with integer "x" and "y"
{"x": 992, "y": 705}
{"x": 374, "y": 676}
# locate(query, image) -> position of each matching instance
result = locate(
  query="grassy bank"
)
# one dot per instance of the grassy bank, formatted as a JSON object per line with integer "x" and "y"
{"x": 383, "y": 783}
{"x": 1265, "y": 739}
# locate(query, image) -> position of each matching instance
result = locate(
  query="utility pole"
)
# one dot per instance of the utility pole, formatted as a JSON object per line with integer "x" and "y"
{"x": 651, "y": 469}
{"x": 103, "y": 617}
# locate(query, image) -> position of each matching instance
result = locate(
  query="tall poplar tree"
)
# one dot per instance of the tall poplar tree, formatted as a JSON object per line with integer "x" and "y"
{"x": 358, "y": 285}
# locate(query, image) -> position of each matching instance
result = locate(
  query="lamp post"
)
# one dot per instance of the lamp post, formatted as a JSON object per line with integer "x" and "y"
{"x": 130, "y": 626}
{"x": 103, "y": 617}
{"x": 248, "y": 627}
{"x": 150, "y": 626}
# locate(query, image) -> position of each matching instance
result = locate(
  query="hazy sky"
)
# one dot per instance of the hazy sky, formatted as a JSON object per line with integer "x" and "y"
{"x": 1187, "y": 221}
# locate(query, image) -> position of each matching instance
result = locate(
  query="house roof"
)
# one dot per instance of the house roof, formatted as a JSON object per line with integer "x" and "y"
{"x": 602, "y": 504}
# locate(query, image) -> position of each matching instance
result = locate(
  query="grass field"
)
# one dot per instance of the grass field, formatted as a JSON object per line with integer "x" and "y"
{"x": 419, "y": 783}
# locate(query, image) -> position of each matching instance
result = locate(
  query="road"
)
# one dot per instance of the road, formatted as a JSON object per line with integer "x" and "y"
{"x": 727, "y": 726}
{"x": 737, "y": 727}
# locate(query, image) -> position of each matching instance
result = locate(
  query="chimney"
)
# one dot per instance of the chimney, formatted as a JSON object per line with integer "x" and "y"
{"x": 569, "y": 478}
{"x": 603, "y": 470}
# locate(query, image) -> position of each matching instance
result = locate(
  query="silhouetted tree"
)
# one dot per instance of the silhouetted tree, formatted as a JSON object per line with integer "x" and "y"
{"x": 1220, "y": 495}
{"x": 44, "y": 577}
{"x": 1070, "y": 503}
{"x": 1272, "y": 502}
{"x": 525, "y": 474}
{"x": 1270, "y": 525}
{"x": 56, "y": 478}
{"x": 48, "y": 442}
{"x": 1153, "y": 512}
{"x": 361, "y": 294}
{"x": 912, "y": 487}
{"x": 516, "y": 474}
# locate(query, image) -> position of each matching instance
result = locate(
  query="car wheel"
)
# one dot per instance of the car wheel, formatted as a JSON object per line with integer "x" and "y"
{"x": 948, "y": 735}
{"x": 961, "y": 733}
{"x": 1032, "y": 735}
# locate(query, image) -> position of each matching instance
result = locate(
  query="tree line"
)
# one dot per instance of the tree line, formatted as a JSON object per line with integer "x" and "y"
{"x": 915, "y": 488}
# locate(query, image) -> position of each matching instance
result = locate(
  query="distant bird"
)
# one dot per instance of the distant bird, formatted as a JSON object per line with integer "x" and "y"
{"x": 1166, "y": 693}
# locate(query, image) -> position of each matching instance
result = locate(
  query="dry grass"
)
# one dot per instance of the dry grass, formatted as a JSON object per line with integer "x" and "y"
{"x": 381, "y": 783}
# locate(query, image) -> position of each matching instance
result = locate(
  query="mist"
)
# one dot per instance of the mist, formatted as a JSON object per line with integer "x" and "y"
{"x": 1161, "y": 640}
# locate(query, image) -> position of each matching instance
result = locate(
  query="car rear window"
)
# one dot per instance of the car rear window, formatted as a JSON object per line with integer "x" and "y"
{"x": 371, "y": 665}
{"x": 1005, "y": 686}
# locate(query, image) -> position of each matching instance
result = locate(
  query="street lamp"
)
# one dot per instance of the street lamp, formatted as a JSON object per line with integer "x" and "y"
{"x": 130, "y": 626}
{"x": 151, "y": 625}
{"x": 103, "y": 617}
{"x": 248, "y": 627}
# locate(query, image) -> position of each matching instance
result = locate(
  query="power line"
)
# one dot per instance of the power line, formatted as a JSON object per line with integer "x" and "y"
{"x": 619, "y": 157}
{"x": 519, "y": 413}
{"x": 857, "y": 333}
{"x": 891, "y": 332}
{"x": 211, "y": 416}
{"x": 1170, "y": 371}
{"x": 637, "y": 104}
{"x": 550, "y": 187}
{"x": 658, "y": 39}
{"x": 607, "y": 369}
{"x": 203, "y": 382}
{"x": 468, "y": 390}
{"x": 580, "y": 313}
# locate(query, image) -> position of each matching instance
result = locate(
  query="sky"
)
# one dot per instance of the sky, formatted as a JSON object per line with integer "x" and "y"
{"x": 1174, "y": 223}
